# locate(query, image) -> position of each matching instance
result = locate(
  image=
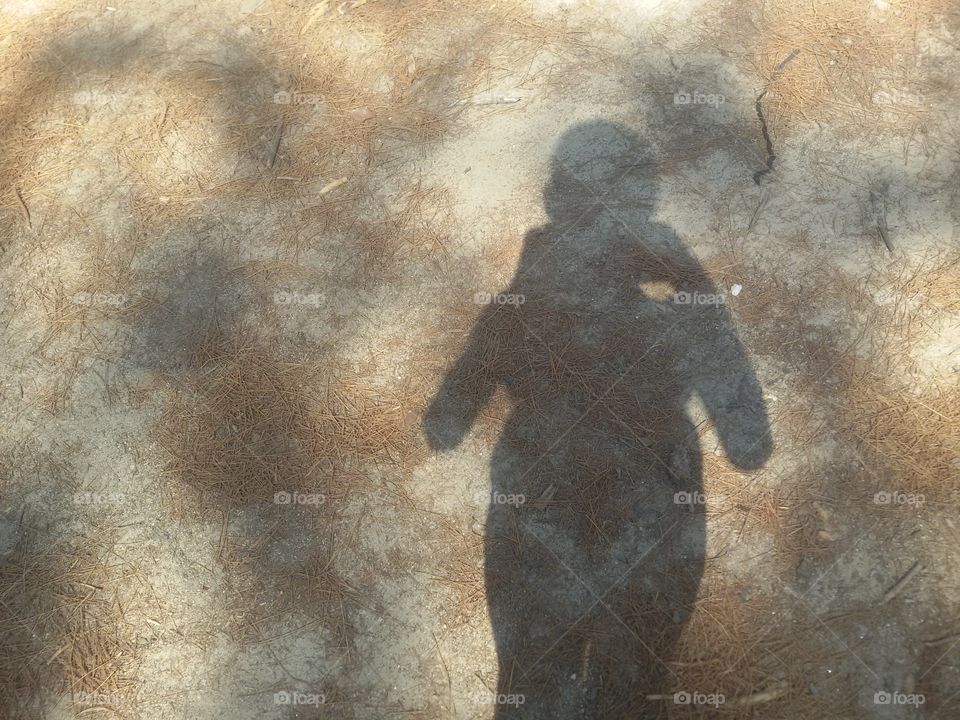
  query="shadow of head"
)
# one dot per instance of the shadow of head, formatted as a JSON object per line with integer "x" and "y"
{"x": 598, "y": 168}
{"x": 602, "y": 239}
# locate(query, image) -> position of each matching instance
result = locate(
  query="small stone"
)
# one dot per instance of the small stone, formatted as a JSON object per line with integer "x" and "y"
{"x": 735, "y": 289}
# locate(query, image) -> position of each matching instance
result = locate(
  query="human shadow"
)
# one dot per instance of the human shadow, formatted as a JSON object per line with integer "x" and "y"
{"x": 595, "y": 534}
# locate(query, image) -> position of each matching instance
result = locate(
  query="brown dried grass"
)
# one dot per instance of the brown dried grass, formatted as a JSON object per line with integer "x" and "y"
{"x": 855, "y": 64}
{"x": 62, "y": 629}
{"x": 253, "y": 424}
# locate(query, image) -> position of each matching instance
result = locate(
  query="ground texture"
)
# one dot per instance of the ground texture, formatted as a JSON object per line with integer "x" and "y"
{"x": 381, "y": 359}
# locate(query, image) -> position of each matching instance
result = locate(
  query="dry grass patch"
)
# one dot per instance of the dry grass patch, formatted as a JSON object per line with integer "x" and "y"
{"x": 855, "y": 64}
{"x": 757, "y": 653}
{"x": 253, "y": 424}
{"x": 268, "y": 593}
{"x": 62, "y": 630}
{"x": 383, "y": 76}
{"x": 461, "y": 571}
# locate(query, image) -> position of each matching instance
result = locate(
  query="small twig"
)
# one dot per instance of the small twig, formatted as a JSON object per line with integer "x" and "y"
{"x": 884, "y": 232}
{"x": 756, "y": 212}
{"x": 445, "y": 670}
{"x": 276, "y": 148}
{"x": 763, "y": 696}
{"x": 332, "y": 185}
{"x": 758, "y": 105}
{"x": 221, "y": 546}
{"x": 942, "y": 640}
{"x": 25, "y": 209}
{"x": 879, "y": 202}
{"x": 902, "y": 582}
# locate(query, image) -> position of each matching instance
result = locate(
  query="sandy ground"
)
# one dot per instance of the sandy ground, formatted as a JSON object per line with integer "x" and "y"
{"x": 386, "y": 359}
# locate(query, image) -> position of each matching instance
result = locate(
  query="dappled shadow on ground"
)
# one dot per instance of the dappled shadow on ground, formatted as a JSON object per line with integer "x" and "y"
{"x": 251, "y": 440}
{"x": 245, "y": 443}
{"x": 595, "y": 531}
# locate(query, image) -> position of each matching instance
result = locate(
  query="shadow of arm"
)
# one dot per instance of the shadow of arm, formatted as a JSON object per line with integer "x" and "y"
{"x": 467, "y": 387}
{"x": 716, "y": 365}
{"x": 734, "y": 400}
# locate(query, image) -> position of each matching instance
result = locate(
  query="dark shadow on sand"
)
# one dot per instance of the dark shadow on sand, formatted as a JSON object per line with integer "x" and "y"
{"x": 607, "y": 331}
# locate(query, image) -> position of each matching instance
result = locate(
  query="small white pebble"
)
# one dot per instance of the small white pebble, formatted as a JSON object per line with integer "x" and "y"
{"x": 735, "y": 289}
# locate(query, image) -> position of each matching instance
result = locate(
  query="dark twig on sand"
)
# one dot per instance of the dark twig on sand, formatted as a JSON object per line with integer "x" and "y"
{"x": 763, "y": 121}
